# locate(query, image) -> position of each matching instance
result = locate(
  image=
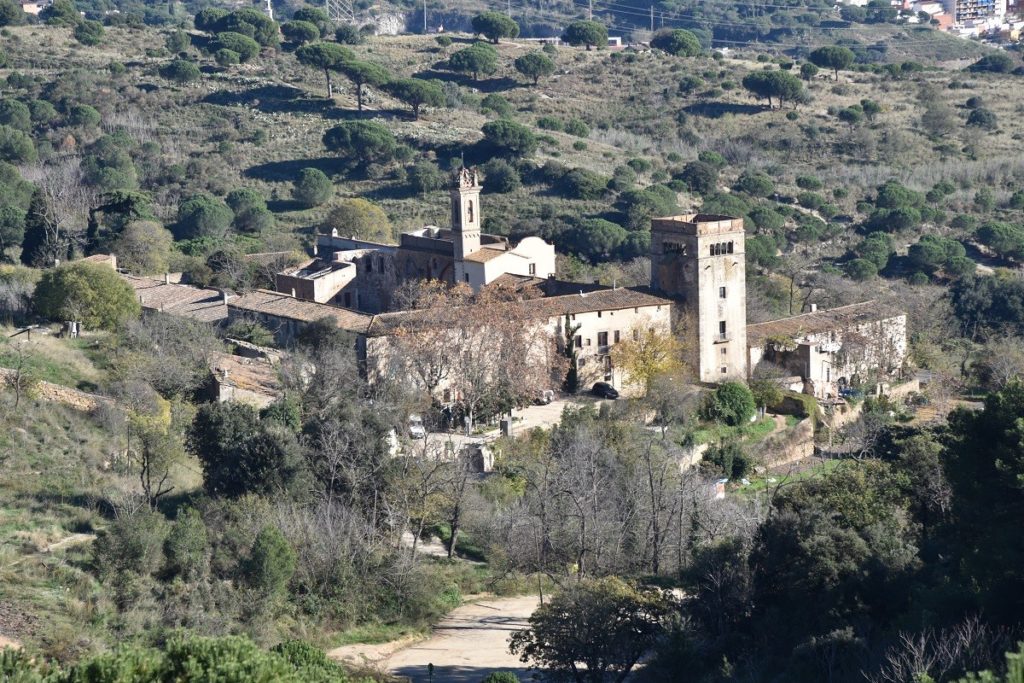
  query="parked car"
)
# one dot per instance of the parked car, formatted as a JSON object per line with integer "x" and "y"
{"x": 416, "y": 428}
{"x": 545, "y": 397}
{"x": 604, "y": 390}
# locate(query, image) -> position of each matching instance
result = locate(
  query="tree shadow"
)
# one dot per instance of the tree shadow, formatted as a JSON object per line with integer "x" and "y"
{"x": 289, "y": 169}
{"x": 454, "y": 674}
{"x": 271, "y": 99}
{"x": 340, "y": 114}
{"x": 486, "y": 85}
{"x": 716, "y": 110}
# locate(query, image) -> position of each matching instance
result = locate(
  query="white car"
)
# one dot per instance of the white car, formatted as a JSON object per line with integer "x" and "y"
{"x": 416, "y": 428}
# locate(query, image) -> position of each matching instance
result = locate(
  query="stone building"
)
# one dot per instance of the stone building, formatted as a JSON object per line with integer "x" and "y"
{"x": 462, "y": 253}
{"x": 698, "y": 260}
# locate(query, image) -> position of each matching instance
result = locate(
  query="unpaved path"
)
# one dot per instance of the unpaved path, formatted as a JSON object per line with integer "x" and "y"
{"x": 469, "y": 643}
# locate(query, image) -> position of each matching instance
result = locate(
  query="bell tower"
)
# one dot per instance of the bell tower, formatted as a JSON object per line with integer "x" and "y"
{"x": 465, "y": 194}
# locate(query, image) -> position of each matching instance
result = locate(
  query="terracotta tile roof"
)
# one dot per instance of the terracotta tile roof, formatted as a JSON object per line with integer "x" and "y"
{"x": 284, "y": 306}
{"x": 839, "y": 318}
{"x": 258, "y": 375}
{"x": 543, "y": 307}
{"x": 484, "y": 254}
{"x": 205, "y": 305}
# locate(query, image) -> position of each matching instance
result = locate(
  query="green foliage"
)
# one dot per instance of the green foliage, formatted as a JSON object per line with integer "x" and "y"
{"x": 780, "y": 85}
{"x": 589, "y": 33}
{"x": 15, "y": 114}
{"x": 361, "y": 142}
{"x": 203, "y": 215}
{"x": 700, "y": 177}
{"x": 678, "y": 42}
{"x": 83, "y": 116}
{"x": 186, "y": 545}
{"x": 640, "y": 206}
{"x": 594, "y": 238}
{"x": 177, "y": 41}
{"x": 579, "y": 183}
{"x": 250, "y": 210}
{"x": 509, "y": 138}
{"x": 500, "y": 176}
{"x": 11, "y": 13}
{"x": 417, "y": 93}
{"x": 500, "y": 677}
{"x": 86, "y": 292}
{"x": 361, "y": 218}
{"x": 731, "y": 403}
{"x": 346, "y": 34}
{"x": 577, "y": 127}
{"x": 270, "y": 564}
{"x": 983, "y": 118}
{"x": 180, "y": 71}
{"x": 755, "y": 184}
{"x": 225, "y": 57}
{"x": 300, "y": 32}
{"x": 535, "y": 66}
{"x": 835, "y": 57}
{"x": 240, "y": 454}
{"x": 479, "y": 59}
{"x": 42, "y": 112}
{"x": 727, "y": 459}
{"x": 60, "y": 13}
{"x": 368, "y": 73}
{"x": 312, "y": 188}
{"x": 252, "y": 23}
{"x": 132, "y": 544}
{"x": 861, "y": 269}
{"x": 997, "y": 62}
{"x": 494, "y": 26}
{"x": 243, "y": 45}
{"x": 808, "y": 71}
{"x": 16, "y": 146}
{"x": 1004, "y": 238}
{"x": 933, "y": 252}
{"x": 425, "y": 176}
{"x": 89, "y": 32}
{"x": 604, "y": 623}
{"x": 876, "y": 248}
{"x": 325, "y": 56}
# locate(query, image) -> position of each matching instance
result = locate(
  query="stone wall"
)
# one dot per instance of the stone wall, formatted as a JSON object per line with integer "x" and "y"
{"x": 47, "y": 391}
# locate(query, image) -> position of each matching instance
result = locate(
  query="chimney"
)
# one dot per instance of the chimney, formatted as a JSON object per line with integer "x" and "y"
{"x": 814, "y": 308}
{"x": 167, "y": 278}
{"x": 224, "y": 296}
{"x": 293, "y": 292}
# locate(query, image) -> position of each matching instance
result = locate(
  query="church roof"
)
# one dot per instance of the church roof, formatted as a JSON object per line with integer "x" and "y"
{"x": 485, "y": 254}
{"x": 284, "y": 306}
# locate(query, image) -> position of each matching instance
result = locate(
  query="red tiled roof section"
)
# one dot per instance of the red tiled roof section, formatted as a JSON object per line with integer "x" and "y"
{"x": 820, "y": 321}
{"x": 484, "y": 254}
{"x": 205, "y": 305}
{"x": 284, "y": 306}
{"x": 543, "y": 307}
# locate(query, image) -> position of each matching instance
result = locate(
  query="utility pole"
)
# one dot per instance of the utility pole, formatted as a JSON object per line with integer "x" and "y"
{"x": 424, "y": 17}
{"x": 590, "y": 11}
{"x": 652, "y": 18}
{"x": 509, "y": 9}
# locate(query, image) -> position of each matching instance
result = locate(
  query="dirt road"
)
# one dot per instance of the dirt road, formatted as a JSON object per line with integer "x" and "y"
{"x": 468, "y": 644}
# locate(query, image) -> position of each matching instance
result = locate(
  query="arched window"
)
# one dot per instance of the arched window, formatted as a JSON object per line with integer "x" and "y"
{"x": 469, "y": 210}
{"x": 730, "y": 247}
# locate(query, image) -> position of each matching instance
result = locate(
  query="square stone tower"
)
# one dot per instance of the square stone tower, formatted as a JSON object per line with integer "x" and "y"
{"x": 465, "y": 195}
{"x": 698, "y": 260}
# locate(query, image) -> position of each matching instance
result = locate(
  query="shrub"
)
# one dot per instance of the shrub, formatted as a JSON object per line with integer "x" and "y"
{"x": 246, "y": 47}
{"x": 678, "y": 42}
{"x": 861, "y": 269}
{"x": 300, "y": 32}
{"x": 16, "y": 146}
{"x": 271, "y": 562}
{"x": 998, "y": 62}
{"x": 510, "y": 138}
{"x": 731, "y": 403}
{"x": 89, "y": 32}
{"x": 83, "y": 116}
{"x": 347, "y": 34}
{"x": 203, "y": 215}
{"x": 424, "y": 176}
{"x": 500, "y": 677}
{"x": 500, "y": 176}
{"x": 589, "y": 33}
{"x": 16, "y": 114}
{"x": 549, "y": 123}
{"x": 361, "y": 142}
{"x": 577, "y": 127}
{"x": 360, "y": 218}
{"x": 86, "y": 292}
{"x": 225, "y": 57}
{"x": 755, "y": 184}
{"x": 700, "y": 177}
{"x": 180, "y": 71}
{"x": 477, "y": 59}
{"x": 983, "y": 118}
{"x": 496, "y": 103}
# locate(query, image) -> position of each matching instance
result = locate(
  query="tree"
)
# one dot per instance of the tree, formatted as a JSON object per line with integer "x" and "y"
{"x": 417, "y": 92}
{"x": 361, "y": 142}
{"x": 92, "y": 294}
{"x": 11, "y": 13}
{"x": 300, "y": 32}
{"x": 808, "y": 71}
{"x": 60, "y": 13}
{"x": 997, "y": 62}
{"x": 647, "y": 353}
{"x": 180, "y": 71}
{"x": 185, "y": 546}
{"x": 833, "y": 57}
{"x": 177, "y": 42}
{"x": 250, "y": 211}
{"x": 595, "y": 239}
{"x": 312, "y": 188}
{"x": 755, "y": 184}
{"x": 851, "y": 115}
{"x": 589, "y": 33}
{"x": 983, "y": 118}
{"x": 225, "y": 57}
{"x": 12, "y": 229}
{"x": 494, "y": 26}
{"x": 83, "y": 116}
{"x": 871, "y": 109}
{"x": 15, "y": 114}
{"x": 326, "y": 56}
{"x": 731, "y": 403}
{"x": 678, "y": 42}
{"x": 271, "y": 563}
{"x": 477, "y": 59}
{"x": 535, "y": 65}
{"x": 347, "y": 34}
{"x": 143, "y": 247}
{"x": 510, "y": 138}
{"x": 316, "y": 16}
{"x": 241, "y": 454}
{"x": 700, "y": 177}
{"x": 362, "y": 74}
{"x": 203, "y": 215}
{"x": 245, "y": 47}
{"x": 604, "y": 624}
{"x": 861, "y": 269}
{"x": 16, "y": 146}
{"x": 206, "y": 19}
{"x": 359, "y": 218}
{"x": 250, "y": 22}
{"x": 89, "y": 32}
{"x": 781, "y": 85}
{"x": 425, "y": 176}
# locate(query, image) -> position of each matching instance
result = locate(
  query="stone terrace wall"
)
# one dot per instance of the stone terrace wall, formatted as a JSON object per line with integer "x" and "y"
{"x": 48, "y": 391}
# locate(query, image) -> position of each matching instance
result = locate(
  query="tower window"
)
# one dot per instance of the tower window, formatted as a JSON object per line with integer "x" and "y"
{"x": 617, "y": 336}
{"x": 725, "y": 370}
{"x": 466, "y": 276}
{"x": 533, "y": 269}
{"x": 721, "y": 292}
{"x": 369, "y": 265}
{"x": 721, "y": 327}
{"x": 579, "y": 341}
{"x": 729, "y": 247}
{"x": 469, "y": 210}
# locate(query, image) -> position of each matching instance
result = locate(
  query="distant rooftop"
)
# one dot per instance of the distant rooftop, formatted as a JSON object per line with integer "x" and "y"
{"x": 284, "y": 306}
{"x": 800, "y": 326}
{"x": 205, "y": 305}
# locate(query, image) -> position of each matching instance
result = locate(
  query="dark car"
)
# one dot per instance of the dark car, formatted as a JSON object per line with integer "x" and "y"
{"x": 604, "y": 390}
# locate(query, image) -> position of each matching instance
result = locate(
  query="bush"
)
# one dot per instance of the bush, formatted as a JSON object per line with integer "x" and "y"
{"x": 225, "y": 57}
{"x": 83, "y": 116}
{"x": 589, "y": 33}
{"x": 580, "y": 183}
{"x": 678, "y": 42}
{"x": 92, "y": 294}
{"x": 16, "y": 146}
{"x": 496, "y": 103}
{"x": 360, "y": 218}
{"x": 270, "y": 564}
{"x": 243, "y": 45}
{"x": 983, "y": 118}
{"x": 89, "y": 32}
{"x": 180, "y": 71}
{"x": 500, "y": 176}
{"x": 203, "y": 215}
{"x": 731, "y": 403}
{"x": 425, "y": 176}
{"x": 494, "y": 26}
{"x": 577, "y": 127}
{"x": 998, "y": 62}
{"x": 16, "y": 114}
{"x": 347, "y": 34}
{"x": 700, "y": 177}
{"x": 755, "y": 184}
{"x": 861, "y": 269}
{"x": 477, "y": 59}
{"x": 534, "y": 65}
{"x": 500, "y": 677}
{"x": 510, "y": 138}
{"x": 361, "y": 142}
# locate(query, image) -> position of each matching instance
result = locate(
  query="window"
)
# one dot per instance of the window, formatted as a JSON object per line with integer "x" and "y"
{"x": 466, "y": 276}
{"x": 586, "y": 342}
{"x": 533, "y": 269}
{"x": 469, "y": 210}
{"x": 579, "y": 341}
{"x": 602, "y": 339}
{"x": 721, "y": 292}
{"x": 599, "y": 314}
{"x": 380, "y": 264}
{"x": 721, "y": 327}
{"x": 724, "y": 350}
{"x": 369, "y": 264}
{"x": 729, "y": 247}
{"x": 725, "y": 370}
{"x": 348, "y": 300}
{"x": 711, "y": 250}
{"x": 617, "y": 337}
